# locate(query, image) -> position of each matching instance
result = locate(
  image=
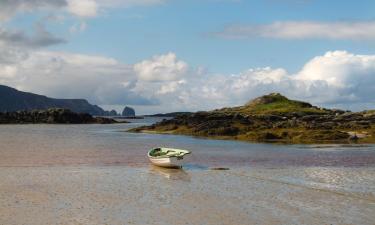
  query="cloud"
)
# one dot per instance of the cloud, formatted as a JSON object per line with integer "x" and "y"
{"x": 337, "y": 68}
{"x": 83, "y": 8}
{"x": 129, "y": 3}
{"x": 11, "y": 7}
{"x": 11, "y": 55}
{"x": 80, "y": 8}
{"x": 101, "y": 80}
{"x": 40, "y": 38}
{"x": 161, "y": 68}
{"x": 78, "y": 27}
{"x": 361, "y": 30}
{"x": 351, "y": 76}
{"x": 165, "y": 83}
{"x": 56, "y": 11}
{"x": 334, "y": 79}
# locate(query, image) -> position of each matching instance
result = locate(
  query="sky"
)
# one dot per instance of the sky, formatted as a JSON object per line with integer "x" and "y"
{"x": 190, "y": 55}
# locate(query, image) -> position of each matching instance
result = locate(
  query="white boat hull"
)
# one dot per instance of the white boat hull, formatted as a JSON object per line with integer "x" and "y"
{"x": 171, "y": 162}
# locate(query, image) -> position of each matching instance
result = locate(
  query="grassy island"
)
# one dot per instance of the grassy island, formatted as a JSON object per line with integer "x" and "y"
{"x": 273, "y": 118}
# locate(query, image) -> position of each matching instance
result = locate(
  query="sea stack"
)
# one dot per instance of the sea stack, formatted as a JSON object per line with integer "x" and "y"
{"x": 112, "y": 113}
{"x": 128, "y": 112}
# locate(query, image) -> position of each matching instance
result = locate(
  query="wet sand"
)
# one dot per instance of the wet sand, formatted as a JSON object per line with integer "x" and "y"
{"x": 97, "y": 175}
{"x": 127, "y": 195}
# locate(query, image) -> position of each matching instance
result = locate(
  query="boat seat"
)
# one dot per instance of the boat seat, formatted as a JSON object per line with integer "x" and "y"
{"x": 169, "y": 153}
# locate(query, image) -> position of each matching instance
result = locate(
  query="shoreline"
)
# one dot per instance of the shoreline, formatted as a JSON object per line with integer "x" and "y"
{"x": 361, "y": 140}
{"x": 273, "y": 118}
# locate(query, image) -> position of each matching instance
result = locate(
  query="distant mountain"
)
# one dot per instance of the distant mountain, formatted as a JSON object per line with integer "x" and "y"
{"x": 13, "y": 100}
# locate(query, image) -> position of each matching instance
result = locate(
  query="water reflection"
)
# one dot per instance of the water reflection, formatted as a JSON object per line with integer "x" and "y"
{"x": 47, "y": 145}
{"x": 346, "y": 180}
{"x": 321, "y": 178}
{"x": 171, "y": 174}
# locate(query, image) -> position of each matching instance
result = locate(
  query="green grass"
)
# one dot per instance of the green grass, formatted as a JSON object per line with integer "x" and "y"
{"x": 283, "y": 107}
{"x": 274, "y": 104}
{"x": 259, "y": 131}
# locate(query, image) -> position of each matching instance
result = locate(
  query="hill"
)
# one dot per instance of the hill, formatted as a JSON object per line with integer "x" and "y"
{"x": 51, "y": 116}
{"x": 273, "y": 118}
{"x": 12, "y": 100}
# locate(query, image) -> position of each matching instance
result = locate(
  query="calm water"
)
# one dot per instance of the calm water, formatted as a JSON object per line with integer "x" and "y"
{"x": 39, "y": 145}
{"x": 99, "y": 174}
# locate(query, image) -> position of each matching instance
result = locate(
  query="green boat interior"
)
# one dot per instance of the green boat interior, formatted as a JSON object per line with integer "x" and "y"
{"x": 168, "y": 152}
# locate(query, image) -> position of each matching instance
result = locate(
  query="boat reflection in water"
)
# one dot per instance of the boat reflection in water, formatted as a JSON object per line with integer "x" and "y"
{"x": 171, "y": 174}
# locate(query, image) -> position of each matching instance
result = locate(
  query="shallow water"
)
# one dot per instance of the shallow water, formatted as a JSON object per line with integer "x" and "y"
{"x": 38, "y": 145}
{"x": 98, "y": 174}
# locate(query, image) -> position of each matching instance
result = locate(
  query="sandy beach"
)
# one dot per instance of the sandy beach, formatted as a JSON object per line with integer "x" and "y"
{"x": 125, "y": 195}
{"x": 98, "y": 175}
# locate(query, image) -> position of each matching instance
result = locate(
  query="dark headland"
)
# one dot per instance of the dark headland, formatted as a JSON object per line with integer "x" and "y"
{"x": 12, "y": 100}
{"x": 273, "y": 118}
{"x": 18, "y": 107}
{"x": 51, "y": 116}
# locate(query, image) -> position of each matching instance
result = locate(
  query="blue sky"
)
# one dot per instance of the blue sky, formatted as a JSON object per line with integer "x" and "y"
{"x": 214, "y": 38}
{"x": 187, "y": 28}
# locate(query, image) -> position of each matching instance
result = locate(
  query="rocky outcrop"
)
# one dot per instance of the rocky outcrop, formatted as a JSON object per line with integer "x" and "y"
{"x": 128, "y": 112}
{"x": 273, "y": 118}
{"x": 51, "y": 116}
{"x": 112, "y": 113}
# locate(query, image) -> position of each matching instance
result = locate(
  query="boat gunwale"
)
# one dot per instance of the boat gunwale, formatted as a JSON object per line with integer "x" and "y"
{"x": 166, "y": 156}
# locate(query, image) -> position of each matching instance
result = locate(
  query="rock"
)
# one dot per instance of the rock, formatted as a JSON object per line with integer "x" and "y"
{"x": 327, "y": 125}
{"x": 267, "y": 136}
{"x": 310, "y": 118}
{"x": 52, "y": 116}
{"x": 272, "y": 118}
{"x": 128, "y": 112}
{"x": 353, "y": 138}
{"x": 112, "y": 113}
{"x": 219, "y": 168}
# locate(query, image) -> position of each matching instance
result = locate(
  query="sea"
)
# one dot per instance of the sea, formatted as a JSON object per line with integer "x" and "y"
{"x": 35, "y": 158}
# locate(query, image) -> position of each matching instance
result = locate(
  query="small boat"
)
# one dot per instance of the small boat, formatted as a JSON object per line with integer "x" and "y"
{"x": 168, "y": 157}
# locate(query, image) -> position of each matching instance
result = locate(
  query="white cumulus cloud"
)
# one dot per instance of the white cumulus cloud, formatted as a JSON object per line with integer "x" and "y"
{"x": 100, "y": 80}
{"x": 165, "y": 83}
{"x": 83, "y": 8}
{"x": 334, "y": 79}
{"x": 340, "y": 68}
{"x": 161, "y": 68}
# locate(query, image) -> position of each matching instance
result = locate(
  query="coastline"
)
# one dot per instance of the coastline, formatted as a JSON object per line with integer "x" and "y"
{"x": 255, "y": 139}
{"x": 273, "y": 118}
{"x": 52, "y": 116}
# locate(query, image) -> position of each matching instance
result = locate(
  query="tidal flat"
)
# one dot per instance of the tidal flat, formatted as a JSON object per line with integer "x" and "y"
{"x": 96, "y": 174}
